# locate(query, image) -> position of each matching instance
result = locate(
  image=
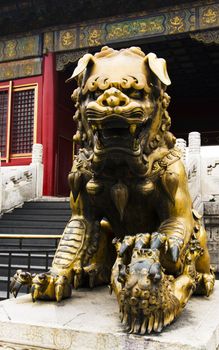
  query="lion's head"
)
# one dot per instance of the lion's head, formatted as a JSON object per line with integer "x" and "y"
{"x": 121, "y": 104}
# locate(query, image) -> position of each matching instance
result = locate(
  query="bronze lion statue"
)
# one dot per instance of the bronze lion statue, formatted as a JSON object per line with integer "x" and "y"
{"x": 132, "y": 224}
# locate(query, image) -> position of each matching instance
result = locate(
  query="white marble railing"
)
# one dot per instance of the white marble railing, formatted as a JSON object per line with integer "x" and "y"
{"x": 193, "y": 164}
{"x": 21, "y": 183}
{"x": 210, "y": 173}
{"x": 202, "y": 164}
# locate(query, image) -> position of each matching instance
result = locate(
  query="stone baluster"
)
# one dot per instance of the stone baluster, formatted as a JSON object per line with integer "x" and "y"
{"x": 194, "y": 169}
{"x": 37, "y": 158}
{"x": 194, "y": 142}
{"x": 181, "y": 144}
{"x": 37, "y": 153}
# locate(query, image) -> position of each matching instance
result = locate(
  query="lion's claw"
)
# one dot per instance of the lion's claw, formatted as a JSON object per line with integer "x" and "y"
{"x": 61, "y": 287}
{"x": 157, "y": 240}
{"x": 39, "y": 285}
{"x": 142, "y": 240}
{"x": 174, "y": 252}
{"x": 43, "y": 286}
{"x": 175, "y": 244}
{"x": 208, "y": 282}
{"x": 127, "y": 243}
{"x": 20, "y": 279}
{"x": 171, "y": 243}
{"x": 15, "y": 288}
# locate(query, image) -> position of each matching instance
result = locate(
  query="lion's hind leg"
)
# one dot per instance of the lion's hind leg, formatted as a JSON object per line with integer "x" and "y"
{"x": 203, "y": 267}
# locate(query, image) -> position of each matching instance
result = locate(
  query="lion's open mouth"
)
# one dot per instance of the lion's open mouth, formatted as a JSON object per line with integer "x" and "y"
{"x": 116, "y": 131}
{"x": 116, "y": 137}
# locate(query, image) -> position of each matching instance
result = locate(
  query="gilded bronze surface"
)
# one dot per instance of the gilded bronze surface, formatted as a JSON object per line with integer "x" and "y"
{"x": 132, "y": 223}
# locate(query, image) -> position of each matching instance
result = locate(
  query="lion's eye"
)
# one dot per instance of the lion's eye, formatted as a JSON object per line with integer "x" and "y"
{"x": 136, "y": 94}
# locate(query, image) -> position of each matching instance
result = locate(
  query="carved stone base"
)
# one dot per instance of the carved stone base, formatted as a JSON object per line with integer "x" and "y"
{"x": 90, "y": 320}
{"x": 211, "y": 220}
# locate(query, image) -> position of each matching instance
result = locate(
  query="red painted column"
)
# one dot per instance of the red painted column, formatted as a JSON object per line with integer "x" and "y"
{"x": 49, "y": 122}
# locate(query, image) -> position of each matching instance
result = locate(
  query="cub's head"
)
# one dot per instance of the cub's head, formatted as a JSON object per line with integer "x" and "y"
{"x": 121, "y": 102}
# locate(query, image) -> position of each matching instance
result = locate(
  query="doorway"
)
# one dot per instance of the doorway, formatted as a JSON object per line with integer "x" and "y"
{"x": 193, "y": 68}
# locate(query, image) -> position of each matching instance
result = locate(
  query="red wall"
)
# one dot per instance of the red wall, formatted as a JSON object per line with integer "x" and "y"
{"x": 49, "y": 122}
{"x": 65, "y": 131}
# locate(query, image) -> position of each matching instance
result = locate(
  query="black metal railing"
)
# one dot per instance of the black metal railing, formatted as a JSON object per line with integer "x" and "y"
{"x": 28, "y": 258}
{"x": 19, "y": 239}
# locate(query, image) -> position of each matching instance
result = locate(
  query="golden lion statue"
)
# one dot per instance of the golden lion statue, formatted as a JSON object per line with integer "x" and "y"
{"x": 132, "y": 221}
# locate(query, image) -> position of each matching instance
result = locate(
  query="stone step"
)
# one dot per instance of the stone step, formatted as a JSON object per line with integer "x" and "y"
{"x": 42, "y": 211}
{"x": 46, "y": 205}
{"x": 31, "y": 224}
{"x": 36, "y": 217}
{"x": 32, "y": 230}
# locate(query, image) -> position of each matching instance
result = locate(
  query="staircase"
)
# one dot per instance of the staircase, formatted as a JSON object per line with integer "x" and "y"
{"x": 24, "y": 250}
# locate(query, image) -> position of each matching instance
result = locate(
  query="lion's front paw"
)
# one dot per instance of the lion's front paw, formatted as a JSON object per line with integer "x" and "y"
{"x": 45, "y": 286}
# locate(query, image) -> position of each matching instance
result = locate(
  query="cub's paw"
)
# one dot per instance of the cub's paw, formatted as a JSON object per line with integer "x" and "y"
{"x": 147, "y": 303}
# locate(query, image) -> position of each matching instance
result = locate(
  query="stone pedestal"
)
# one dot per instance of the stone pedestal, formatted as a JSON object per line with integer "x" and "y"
{"x": 90, "y": 321}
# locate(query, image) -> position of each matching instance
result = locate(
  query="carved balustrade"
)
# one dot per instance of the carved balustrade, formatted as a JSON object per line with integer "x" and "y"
{"x": 21, "y": 183}
{"x": 202, "y": 164}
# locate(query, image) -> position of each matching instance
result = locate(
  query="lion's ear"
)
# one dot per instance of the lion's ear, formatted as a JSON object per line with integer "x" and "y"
{"x": 158, "y": 67}
{"x": 82, "y": 64}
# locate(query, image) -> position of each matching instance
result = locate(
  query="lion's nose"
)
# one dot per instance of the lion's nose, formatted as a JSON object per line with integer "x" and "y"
{"x": 113, "y": 97}
{"x": 112, "y": 101}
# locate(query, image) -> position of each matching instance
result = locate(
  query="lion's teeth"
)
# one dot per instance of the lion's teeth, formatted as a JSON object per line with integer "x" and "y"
{"x": 132, "y": 129}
